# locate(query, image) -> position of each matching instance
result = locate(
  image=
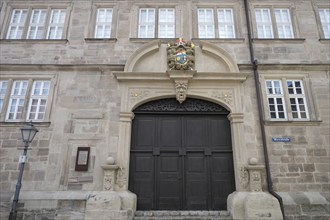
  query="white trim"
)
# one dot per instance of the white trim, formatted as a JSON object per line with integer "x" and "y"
{"x": 206, "y": 27}
{"x": 148, "y": 24}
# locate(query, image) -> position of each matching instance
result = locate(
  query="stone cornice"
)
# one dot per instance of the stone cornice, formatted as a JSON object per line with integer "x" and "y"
{"x": 62, "y": 67}
{"x": 288, "y": 66}
{"x": 160, "y": 76}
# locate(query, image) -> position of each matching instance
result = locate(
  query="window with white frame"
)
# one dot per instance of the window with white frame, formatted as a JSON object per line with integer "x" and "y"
{"x": 27, "y": 100}
{"x": 226, "y": 23}
{"x": 38, "y": 100}
{"x": 36, "y": 24}
{"x": 103, "y": 23}
{"x": 56, "y": 24}
{"x": 3, "y": 90}
{"x": 17, "y": 23}
{"x": 275, "y": 98}
{"x": 216, "y": 25}
{"x": 267, "y": 28}
{"x": 16, "y": 101}
{"x": 165, "y": 23}
{"x": 325, "y": 22}
{"x": 206, "y": 23}
{"x": 286, "y": 100}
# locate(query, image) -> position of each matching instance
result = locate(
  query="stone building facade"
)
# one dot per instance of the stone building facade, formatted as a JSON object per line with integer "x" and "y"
{"x": 84, "y": 72}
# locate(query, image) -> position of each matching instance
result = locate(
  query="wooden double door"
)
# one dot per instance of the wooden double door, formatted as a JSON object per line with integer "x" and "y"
{"x": 181, "y": 161}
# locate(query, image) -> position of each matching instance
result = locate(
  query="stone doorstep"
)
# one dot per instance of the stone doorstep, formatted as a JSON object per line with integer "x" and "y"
{"x": 182, "y": 214}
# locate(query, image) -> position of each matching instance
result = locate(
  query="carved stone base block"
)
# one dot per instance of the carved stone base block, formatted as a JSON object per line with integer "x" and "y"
{"x": 253, "y": 206}
{"x": 109, "y": 177}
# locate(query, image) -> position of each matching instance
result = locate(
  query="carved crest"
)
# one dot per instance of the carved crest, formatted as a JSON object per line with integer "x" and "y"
{"x": 180, "y": 55}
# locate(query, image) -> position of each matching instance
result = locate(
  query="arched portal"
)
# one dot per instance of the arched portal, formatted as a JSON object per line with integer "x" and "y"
{"x": 181, "y": 156}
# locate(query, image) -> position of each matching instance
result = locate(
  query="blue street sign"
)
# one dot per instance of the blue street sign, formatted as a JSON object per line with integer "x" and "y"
{"x": 281, "y": 139}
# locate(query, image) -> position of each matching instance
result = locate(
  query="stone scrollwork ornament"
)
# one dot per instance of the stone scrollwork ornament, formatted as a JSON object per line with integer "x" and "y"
{"x": 181, "y": 55}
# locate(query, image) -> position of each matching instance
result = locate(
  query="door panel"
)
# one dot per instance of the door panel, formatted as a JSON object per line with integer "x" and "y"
{"x": 169, "y": 181}
{"x": 181, "y": 162}
{"x": 196, "y": 181}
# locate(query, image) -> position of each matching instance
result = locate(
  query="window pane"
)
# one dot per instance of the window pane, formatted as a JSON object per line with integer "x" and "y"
{"x": 103, "y": 23}
{"x": 283, "y": 22}
{"x": 226, "y": 23}
{"x": 56, "y": 24}
{"x": 17, "y": 23}
{"x": 205, "y": 23}
{"x": 166, "y": 23}
{"x": 146, "y": 23}
{"x": 264, "y": 23}
{"x": 325, "y": 21}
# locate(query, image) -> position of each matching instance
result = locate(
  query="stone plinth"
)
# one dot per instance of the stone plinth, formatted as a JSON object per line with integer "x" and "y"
{"x": 109, "y": 177}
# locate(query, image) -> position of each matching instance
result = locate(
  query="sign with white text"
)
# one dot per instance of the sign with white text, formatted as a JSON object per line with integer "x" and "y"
{"x": 281, "y": 139}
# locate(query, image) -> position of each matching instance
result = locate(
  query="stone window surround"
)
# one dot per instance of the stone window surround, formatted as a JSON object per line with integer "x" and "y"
{"x": 135, "y": 18}
{"x": 272, "y": 6}
{"x": 31, "y": 78}
{"x": 317, "y": 6}
{"x": 92, "y": 21}
{"x": 311, "y": 106}
{"x": 215, "y": 7}
{"x": 9, "y": 7}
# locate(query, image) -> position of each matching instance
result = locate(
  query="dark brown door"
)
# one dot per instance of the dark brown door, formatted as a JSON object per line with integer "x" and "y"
{"x": 181, "y": 161}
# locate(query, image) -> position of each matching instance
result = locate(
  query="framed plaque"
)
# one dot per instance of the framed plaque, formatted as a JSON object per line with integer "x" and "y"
{"x": 82, "y": 159}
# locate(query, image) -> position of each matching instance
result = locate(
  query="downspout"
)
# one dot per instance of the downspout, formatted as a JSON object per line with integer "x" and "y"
{"x": 260, "y": 109}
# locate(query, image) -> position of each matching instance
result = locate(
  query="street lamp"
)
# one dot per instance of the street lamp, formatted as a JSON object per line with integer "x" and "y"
{"x": 28, "y": 133}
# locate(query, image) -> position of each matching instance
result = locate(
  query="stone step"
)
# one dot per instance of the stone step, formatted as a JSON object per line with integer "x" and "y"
{"x": 182, "y": 215}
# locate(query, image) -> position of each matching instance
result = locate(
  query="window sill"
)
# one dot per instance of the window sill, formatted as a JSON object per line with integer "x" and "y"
{"x": 278, "y": 40}
{"x": 31, "y": 41}
{"x": 220, "y": 40}
{"x": 20, "y": 124}
{"x": 324, "y": 40}
{"x": 293, "y": 123}
{"x": 100, "y": 40}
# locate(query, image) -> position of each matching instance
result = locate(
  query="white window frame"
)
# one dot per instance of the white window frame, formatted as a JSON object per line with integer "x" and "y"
{"x": 148, "y": 24}
{"x": 17, "y": 100}
{"x": 56, "y": 23}
{"x": 103, "y": 24}
{"x": 40, "y": 97}
{"x": 17, "y": 26}
{"x": 275, "y": 93}
{"x": 325, "y": 21}
{"x": 273, "y": 23}
{"x": 208, "y": 26}
{"x": 3, "y": 92}
{"x": 301, "y": 109}
{"x": 282, "y": 25}
{"x": 226, "y": 23}
{"x": 292, "y": 110}
{"x": 38, "y": 26}
{"x": 26, "y": 26}
{"x": 43, "y": 96}
{"x": 168, "y": 24}
{"x": 263, "y": 24}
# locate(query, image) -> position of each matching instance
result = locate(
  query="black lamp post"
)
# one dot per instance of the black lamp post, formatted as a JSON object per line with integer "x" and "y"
{"x": 28, "y": 133}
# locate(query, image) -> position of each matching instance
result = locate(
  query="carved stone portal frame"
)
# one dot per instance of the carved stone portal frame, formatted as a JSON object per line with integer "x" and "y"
{"x": 138, "y": 87}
